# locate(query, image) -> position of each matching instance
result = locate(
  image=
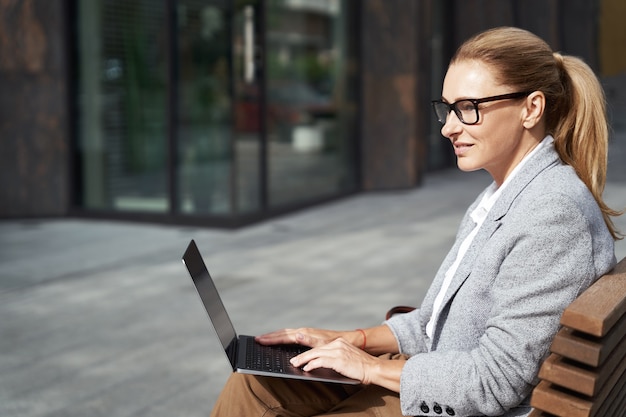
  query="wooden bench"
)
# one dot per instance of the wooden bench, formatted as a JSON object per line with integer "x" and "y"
{"x": 585, "y": 373}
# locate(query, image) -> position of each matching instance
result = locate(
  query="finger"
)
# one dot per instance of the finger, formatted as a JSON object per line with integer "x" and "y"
{"x": 314, "y": 359}
{"x": 308, "y": 340}
{"x": 285, "y": 336}
{"x": 314, "y": 364}
{"x": 299, "y": 360}
{"x": 305, "y": 357}
{"x": 324, "y": 350}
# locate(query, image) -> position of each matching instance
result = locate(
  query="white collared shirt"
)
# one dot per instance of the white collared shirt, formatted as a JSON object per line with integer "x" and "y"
{"x": 478, "y": 215}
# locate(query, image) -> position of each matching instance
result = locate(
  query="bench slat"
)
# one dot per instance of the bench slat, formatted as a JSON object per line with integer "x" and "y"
{"x": 549, "y": 398}
{"x": 574, "y": 345}
{"x": 554, "y": 399}
{"x": 585, "y": 380}
{"x": 566, "y": 375}
{"x": 588, "y": 349}
{"x": 601, "y": 305}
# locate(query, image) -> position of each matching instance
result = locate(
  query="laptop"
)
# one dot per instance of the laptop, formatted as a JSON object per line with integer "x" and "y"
{"x": 243, "y": 352}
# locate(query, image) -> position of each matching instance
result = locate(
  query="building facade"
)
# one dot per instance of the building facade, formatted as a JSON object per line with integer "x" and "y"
{"x": 225, "y": 112}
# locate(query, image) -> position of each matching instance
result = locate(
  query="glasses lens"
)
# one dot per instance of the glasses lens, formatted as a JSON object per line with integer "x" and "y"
{"x": 466, "y": 111}
{"x": 441, "y": 111}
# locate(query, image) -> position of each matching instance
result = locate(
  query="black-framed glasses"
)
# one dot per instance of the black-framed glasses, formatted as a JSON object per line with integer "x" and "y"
{"x": 467, "y": 109}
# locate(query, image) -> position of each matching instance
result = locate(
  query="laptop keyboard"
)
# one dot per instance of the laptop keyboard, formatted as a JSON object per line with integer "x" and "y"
{"x": 269, "y": 358}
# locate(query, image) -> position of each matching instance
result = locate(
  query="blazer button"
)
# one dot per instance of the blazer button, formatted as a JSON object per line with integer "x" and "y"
{"x": 437, "y": 408}
{"x": 450, "y": 411}
{"x": 424, "y": 408}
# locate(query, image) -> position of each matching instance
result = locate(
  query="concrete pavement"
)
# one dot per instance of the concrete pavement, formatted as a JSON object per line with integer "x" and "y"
{"x": 101, "y": 318}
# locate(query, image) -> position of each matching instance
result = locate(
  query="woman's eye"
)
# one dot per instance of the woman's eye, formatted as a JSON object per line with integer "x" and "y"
{"x": 465, "y": 106}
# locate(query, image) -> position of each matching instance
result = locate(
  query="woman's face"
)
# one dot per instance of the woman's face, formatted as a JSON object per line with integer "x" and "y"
{"x": 499, "y": 141}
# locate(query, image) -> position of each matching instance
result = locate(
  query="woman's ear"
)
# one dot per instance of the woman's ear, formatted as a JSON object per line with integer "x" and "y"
{"x": 535, "y": 105}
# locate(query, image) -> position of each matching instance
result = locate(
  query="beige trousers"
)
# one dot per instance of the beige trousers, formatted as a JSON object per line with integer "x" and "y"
{"x": 255, "y": 396}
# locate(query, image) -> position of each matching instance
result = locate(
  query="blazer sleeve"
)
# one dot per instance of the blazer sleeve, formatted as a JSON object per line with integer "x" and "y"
{"x": 540, "y": 258}
{"x": 408, "y": 333}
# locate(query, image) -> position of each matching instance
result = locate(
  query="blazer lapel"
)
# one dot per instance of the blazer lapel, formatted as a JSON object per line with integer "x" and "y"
{"x": 465, "y": 268}
{"x": 465, "y": 228}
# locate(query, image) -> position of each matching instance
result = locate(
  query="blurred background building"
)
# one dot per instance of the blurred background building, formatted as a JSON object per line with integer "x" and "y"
{"x": 226, "y": 112}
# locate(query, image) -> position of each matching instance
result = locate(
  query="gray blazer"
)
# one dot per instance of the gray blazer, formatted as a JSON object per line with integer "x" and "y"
{"x": 541, "y": 245}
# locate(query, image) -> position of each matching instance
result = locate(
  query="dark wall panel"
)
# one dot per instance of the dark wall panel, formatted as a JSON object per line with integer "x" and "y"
{"x": 569, "y": 26}
{"x": 473, "y": 16}
{"x": 33, "y": 109}
{"x": 389, "y": 63}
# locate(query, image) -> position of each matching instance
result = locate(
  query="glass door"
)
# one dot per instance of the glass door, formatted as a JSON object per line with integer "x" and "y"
{"x": 122, "y": 100}
{"x": 249, "y": 174}
{"x": 203, "y": 106}
{"x": 311, "y": 99}
{"x": 219, "y": 107}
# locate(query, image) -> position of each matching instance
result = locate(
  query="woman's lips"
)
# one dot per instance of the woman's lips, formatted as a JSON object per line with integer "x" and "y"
{"x": 461, "y": 148}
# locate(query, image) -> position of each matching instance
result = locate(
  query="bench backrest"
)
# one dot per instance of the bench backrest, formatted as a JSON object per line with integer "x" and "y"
{"x": 585, "y": 375}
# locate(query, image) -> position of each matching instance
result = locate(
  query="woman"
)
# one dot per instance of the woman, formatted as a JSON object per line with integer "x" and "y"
{"x": 530, "y": 243}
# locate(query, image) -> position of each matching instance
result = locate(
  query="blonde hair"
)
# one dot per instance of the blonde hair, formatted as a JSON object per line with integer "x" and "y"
{"x": 575, "y": 112}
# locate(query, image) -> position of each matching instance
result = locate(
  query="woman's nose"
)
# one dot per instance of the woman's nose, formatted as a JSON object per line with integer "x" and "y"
{"x": 452, "y": 125}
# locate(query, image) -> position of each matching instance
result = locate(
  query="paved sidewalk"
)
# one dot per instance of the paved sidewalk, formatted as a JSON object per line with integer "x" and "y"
{"x": 101, "y": 318}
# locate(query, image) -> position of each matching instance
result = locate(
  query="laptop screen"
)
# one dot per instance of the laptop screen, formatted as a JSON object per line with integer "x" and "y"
{"x": 209, "y": 295}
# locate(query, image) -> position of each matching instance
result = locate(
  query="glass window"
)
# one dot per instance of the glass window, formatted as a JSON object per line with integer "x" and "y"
{"x": 310, "y": 108}
{"x": 255, "y": 99}
{"x": 204, "y": 107}
{"x": 247, "y": 80}
{"x": 122, "y": 104}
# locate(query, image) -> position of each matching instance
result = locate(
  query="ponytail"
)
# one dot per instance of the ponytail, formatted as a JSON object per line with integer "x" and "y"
{"x": 581, "y": 133}
{"x": 575, "y": 104}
